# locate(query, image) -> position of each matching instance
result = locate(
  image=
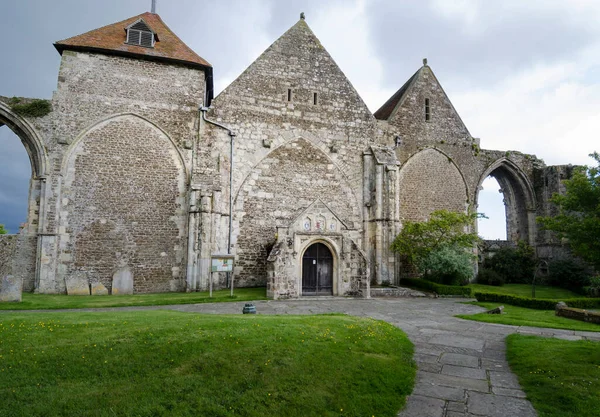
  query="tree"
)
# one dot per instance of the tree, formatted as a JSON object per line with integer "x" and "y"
{"x": 2, "y": 230}
{"x": 441, "y": 246}
{"x": 578, "y": 219}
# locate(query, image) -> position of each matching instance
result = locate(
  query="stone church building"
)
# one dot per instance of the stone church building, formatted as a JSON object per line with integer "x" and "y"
{"x": 140, "y": 176}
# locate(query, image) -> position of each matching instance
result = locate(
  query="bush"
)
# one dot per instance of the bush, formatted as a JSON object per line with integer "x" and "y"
{"x": 515, "y": 265}
{"x": 448, "y": 265}
{"x": 489, "y": 277}
{"x": 35, "y": 108}
{"x": 569, "y": 273}
{"x": 439, "y": 289}
{"x": 535, "y": 303}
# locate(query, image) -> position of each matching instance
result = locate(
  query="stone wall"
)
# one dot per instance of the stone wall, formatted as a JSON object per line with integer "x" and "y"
{"x": 289, "y": 150}
{"x": 120, "y": 151}
{"x": 431, "y": 181}
{"x": 124, "y": 204}
{"x": 8, "y": 244}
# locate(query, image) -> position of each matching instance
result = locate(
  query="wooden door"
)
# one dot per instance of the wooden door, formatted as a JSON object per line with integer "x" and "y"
{"x": 317, "y": 270}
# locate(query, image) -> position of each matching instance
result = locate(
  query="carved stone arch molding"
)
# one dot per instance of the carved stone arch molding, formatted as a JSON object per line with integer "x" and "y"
{"x": 429, "y": 181}
{"x": 30, "y": 138}
{"x": 288, "y": 179}
{"x": 128, "y": 173}
{"x": 519, "y": 199}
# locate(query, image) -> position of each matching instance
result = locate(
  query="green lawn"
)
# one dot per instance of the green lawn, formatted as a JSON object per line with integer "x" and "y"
{"x": 561, "y": 378}
{"x": 524, "y": 290}
{"x": 520, "y": 316}
{"x": 165, "y": 363}
{"x": 42, "y": 301}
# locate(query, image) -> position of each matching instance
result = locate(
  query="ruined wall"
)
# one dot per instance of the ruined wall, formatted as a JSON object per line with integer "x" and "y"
{"x": 339, "y": 127}
{"x": 430, "y": 181}
{"x": 122, "y": 140}
{"x": 124, "y": 204}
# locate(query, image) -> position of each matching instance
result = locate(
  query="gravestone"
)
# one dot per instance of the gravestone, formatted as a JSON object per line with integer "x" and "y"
{"x": 77, "y": 284}
{"x": 122, "y": 282}
{"x": 99, "y": 289}
{"x": 10, "y": 289}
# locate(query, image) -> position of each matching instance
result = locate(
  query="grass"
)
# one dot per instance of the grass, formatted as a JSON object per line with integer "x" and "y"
{"x": 520, "y": 316}
{"x": 166, "y": 363}
{"x": 43, "y": 302}
{"x": 561, "y": 378}
{"x": 524, "y": 290}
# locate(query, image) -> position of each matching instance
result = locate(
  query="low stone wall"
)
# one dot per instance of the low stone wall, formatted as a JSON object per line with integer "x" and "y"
{"x": 577, "y": 314}
{"x": 395, "y": 292}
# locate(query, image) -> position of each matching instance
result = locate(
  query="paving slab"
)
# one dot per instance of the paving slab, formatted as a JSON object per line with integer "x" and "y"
{"x": 420, "y": 406}
{"x": 453, "y": 381}
{"x": 464, "y": 371}
{"x": 498, "y": 406}
{"x": 460, "y": 360}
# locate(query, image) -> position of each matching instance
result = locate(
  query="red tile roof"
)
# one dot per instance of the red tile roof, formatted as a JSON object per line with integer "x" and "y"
{"x": 111, "y": 39}
{"x": 388, "y": 108}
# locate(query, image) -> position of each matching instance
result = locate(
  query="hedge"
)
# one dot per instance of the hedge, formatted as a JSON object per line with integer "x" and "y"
{"x": 536, "y": 303}
{"x": 439, "y": 289}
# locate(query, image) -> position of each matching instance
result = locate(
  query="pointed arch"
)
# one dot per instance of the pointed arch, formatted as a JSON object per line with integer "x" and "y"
{"x": 519, "y": 198}
{"x": 429, "y": 181}
{"x": 103, "y": 122}
{"x": 30, "y": 137}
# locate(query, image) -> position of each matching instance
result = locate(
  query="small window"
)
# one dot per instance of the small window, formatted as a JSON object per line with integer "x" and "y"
{"x": 139, "y": 33}
{"x": 289, "y": 94}
{"x": 315, "y": 99}
{"x": 427, "y": 110}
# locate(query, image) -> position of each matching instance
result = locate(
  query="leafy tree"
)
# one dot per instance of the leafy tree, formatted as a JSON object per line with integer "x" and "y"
{"x": 579, "y": 213}
{"x": 2, "y": 230}
{"x": 441, "y": 245}
{"x": 514, "y": 265}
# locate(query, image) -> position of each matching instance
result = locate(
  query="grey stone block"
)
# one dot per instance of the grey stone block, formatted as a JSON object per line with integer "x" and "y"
{"x": 453, "y": 381}
{"x": 99, "y": 289}
{"x": 77, "y": 284}
{"x": 504, "y": 380}
{"x": 441, "y": 392}
{"x": 498, "y": 406}
{"x": 419, "y": 406}
{"x": 509, "y": 392}
{"x": 460, "y": 360}
{"x": 122, "y": 283}
{"x": 464, "y": 371}
{"x": 10, "y": 289}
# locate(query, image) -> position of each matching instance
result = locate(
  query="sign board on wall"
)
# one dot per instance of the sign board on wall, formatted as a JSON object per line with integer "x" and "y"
{"x": 221, "y": 263}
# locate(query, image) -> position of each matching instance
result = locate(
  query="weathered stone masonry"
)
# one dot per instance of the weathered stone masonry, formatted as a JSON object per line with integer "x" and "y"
{"x": 126, "y": 175}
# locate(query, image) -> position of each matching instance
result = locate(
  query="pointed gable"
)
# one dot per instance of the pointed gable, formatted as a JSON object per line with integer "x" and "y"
{"x": 295, "y": 78}
{"x": 422, "y": 110}
{"x": 113, "y": 39}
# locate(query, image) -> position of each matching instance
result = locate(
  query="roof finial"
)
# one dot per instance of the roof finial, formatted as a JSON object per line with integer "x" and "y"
{"x": 153, "y": 9}
{"x": 302, "y": 16}
{"x": 424, "y": 62}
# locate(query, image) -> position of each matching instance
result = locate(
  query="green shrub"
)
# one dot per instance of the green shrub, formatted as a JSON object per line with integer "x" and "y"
{"x": 535, "y": 303}
{"x": 439, "y": 289}
{"x": 35, "y": 108}
{"x": 568, "y": 273}
{"x": 489, "y": 277}
{"x": 448, "y": 265}
{"x": 515, "y": 265}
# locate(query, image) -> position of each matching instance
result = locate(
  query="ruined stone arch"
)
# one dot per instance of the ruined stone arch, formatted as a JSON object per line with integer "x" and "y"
{"x": 30, "y": 138}
{"x": 430, "y": 180}
{"x": 124, "y": 176}
{"x": 519, "y": 199}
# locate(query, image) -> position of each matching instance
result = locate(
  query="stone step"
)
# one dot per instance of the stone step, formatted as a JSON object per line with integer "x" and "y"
{"x": 395, "y": 292}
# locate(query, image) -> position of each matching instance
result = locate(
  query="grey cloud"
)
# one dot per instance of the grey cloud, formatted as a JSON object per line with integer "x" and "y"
{"x": 507, "y": 39}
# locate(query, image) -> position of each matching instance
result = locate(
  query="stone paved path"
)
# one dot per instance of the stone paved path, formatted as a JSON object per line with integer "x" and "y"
{"x": 462, "y": 369}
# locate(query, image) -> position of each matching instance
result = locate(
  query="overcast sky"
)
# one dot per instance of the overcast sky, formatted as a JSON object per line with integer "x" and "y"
{"x": 523, "y": 74}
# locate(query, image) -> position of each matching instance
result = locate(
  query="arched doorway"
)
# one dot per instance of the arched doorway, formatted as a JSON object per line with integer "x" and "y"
{"x": 317, "y": 270}
{"x": 518, "y": 198}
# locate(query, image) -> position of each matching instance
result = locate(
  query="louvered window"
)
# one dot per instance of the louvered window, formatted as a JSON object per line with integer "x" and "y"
{"x": 140, "y": 34}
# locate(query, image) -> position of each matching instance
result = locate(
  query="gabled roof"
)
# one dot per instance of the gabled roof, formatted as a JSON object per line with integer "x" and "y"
{"x": 387, "y": 109}
{"x": 111, "y": 40}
